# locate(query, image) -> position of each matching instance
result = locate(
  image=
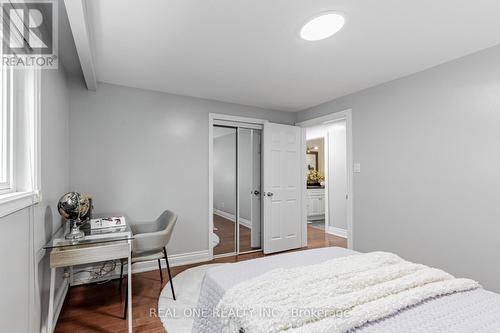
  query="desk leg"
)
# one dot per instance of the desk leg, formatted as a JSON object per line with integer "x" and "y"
{"x": 129, "y": 288}
{"x": 50, "y": 315}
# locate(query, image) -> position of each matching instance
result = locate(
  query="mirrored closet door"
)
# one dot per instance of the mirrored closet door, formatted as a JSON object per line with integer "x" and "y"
{"x": 249, "y": 189}
{"x": 236, "y": 189}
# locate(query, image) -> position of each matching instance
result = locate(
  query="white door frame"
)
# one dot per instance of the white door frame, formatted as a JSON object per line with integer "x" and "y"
{"x": 212, "y": 119}
{"x": 332, "y": 117}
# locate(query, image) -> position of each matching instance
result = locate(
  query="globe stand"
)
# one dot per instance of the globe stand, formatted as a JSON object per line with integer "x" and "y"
{"x": 75, "y": 232}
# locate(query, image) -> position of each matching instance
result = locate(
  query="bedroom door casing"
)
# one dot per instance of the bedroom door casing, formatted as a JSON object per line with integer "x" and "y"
{"x": 256, "y": 202}
{"x": 282, "y": 180}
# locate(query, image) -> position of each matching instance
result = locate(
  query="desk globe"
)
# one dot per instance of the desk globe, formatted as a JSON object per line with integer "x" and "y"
{"x": 72, "y": 206}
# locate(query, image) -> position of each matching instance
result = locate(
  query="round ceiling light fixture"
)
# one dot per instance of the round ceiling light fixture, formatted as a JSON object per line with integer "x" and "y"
{"x": 322, "y": 26}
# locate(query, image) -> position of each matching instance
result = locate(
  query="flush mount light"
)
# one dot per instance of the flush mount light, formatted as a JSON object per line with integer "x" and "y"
{"x": 322, "y": 26}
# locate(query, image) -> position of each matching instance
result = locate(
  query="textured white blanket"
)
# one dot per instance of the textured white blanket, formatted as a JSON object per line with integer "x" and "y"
{"x": 333, "y": 296}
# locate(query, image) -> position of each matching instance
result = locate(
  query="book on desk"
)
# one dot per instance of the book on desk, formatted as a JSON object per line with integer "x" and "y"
{"x": 103, "y": 227}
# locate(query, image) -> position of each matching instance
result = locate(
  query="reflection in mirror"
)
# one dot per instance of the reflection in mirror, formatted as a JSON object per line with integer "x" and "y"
{"x": 249, "y": 179}
{"x": 224, "y": 190}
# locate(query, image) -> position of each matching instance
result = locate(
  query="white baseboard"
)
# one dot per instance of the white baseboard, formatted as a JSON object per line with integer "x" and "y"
{"x": 336, "y": 231}
{"x": 174, "y": 260}
{"x": 145, "y": 266}
{"x": 58, "y": 303}
{"x": 231, "y": 217}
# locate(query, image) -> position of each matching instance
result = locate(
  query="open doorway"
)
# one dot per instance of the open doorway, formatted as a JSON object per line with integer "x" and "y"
{"x": 328, "y": 167}
{"x": 315, "y": 160}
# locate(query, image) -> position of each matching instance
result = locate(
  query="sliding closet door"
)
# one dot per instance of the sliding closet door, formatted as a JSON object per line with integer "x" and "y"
{"x": 249, "y": 230}
{"x": 224, "y": 190}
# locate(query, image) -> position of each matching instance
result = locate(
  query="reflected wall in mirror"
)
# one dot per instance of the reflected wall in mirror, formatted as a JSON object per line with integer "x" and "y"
{"x": 249, "y": 179}
{"x": 224, "y": 187}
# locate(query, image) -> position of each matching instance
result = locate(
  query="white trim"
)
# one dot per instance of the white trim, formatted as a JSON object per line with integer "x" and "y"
{"x": 210, "y": 184}
{"x": 237, "y": 124}
{"x": 13, "y": 202}
{"x": 212, "y": 118}
{"x": 37, "y": 136}
{"x": 78, "y": 21}
{"x": 6, "y": 129}
{"x": 303, "y": 211}
{"x": 336, "y": 231}
{"x": 238, "y": 119}
{"x": 58, "y": 302}
{"x": 146, "y": 266}
{"x": 173, "y": 260}
{"x": 245, "y": 222}
{"x": 331, "y": 117}
{"x": 237, "y": 217}
{"x": 30, "y": 105}
{"x": 347, "y": 115}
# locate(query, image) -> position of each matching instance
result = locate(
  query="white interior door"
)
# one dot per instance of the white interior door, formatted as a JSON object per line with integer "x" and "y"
{"x": 282, "y": 187}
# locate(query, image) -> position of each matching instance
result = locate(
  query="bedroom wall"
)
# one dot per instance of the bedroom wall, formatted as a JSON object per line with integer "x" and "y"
{"x": 141, "y": 152}
{"x": 428, "y": 145}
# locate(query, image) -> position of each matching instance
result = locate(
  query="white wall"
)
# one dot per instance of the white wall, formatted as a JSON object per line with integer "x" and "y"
{"x": 337, "y": 175}
{"x": 429, "y": 187}
{"x": 141, "y": 152}
{"x": 15, "y": 255}
{"x": 55, "y": 169}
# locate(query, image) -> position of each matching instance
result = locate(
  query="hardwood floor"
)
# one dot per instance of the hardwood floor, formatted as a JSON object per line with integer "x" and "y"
{"x": 225, "y": 229}
{"x": 99, "y": 307}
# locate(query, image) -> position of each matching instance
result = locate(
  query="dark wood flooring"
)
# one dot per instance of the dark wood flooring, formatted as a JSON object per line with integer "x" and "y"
{"x": 98, "y": 308}
{"x": 225, "y": 229}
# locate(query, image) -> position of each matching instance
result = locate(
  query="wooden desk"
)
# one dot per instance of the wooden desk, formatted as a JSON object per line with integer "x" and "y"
{"x": 112, "y": 245}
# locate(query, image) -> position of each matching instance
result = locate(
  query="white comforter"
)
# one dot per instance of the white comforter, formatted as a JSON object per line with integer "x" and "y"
{"x": 333, "y": 296}
{"x": 464, "y": 312}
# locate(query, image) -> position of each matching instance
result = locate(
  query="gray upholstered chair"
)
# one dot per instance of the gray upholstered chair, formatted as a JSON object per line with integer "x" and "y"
{"x": 150, "y": 243}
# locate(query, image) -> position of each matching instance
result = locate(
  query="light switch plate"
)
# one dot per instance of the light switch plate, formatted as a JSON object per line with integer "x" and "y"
{"x": 357, "y": 167}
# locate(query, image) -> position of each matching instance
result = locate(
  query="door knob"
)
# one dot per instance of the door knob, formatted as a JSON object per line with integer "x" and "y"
{"x": 256, "y": 192}
{"x": 270, "y": 194}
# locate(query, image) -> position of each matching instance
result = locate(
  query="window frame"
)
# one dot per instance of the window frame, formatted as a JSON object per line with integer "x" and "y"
{"x": 7, "y": 184}
{"x": 23, "y": 139}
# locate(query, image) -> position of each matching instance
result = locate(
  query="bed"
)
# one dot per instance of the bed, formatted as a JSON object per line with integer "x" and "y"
{"x": 476, "y": 310}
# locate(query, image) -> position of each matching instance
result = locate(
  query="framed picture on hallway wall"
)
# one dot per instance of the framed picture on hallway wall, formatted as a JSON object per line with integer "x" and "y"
{"x": 312, "y": 160}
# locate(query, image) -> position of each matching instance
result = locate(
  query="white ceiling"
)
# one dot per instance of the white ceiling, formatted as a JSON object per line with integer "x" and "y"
{"x": 249, "y": 52}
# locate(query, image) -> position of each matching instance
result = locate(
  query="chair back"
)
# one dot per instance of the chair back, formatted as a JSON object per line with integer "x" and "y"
{"x": 166, "y": 223}
{"x": 153, "y": 236}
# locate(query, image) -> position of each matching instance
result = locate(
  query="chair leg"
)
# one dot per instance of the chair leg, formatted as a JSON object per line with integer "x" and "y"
{"x": 161, "y": 273}
{"x": 169, "y": 274}
{"x": 126, "y": 303}
{"x": 121, "y": 274}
